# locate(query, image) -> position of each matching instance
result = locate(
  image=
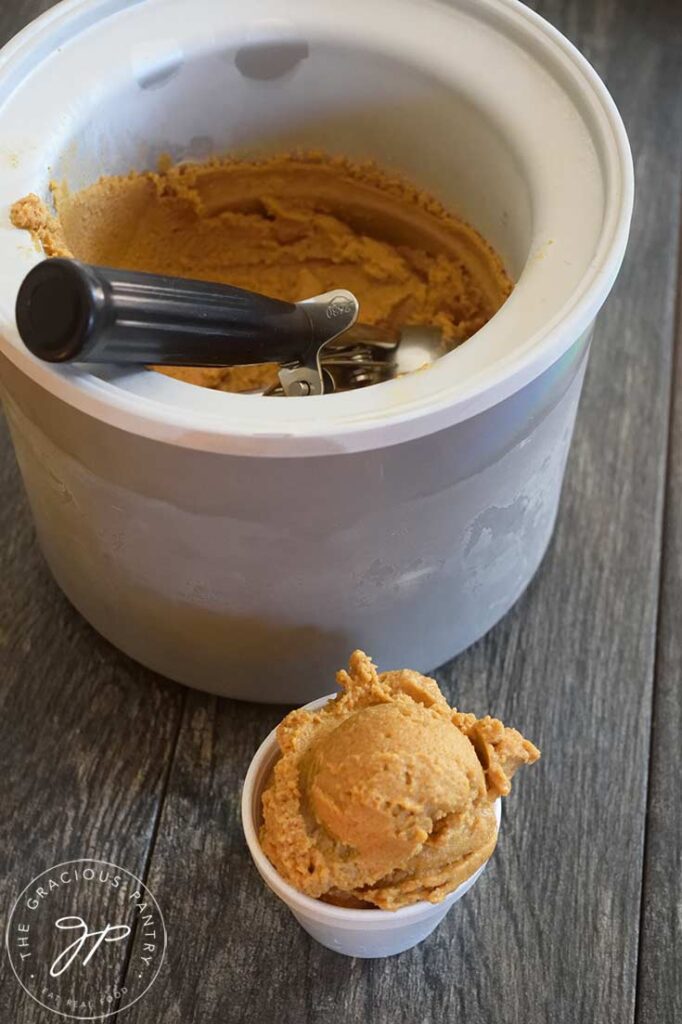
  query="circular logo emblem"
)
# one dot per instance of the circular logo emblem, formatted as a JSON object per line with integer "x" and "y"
{"x": 86, "y": 939}
{"x": 339, "y": 306}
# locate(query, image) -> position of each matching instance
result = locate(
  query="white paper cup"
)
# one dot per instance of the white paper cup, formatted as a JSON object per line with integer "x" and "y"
{"x": 362, "y": 933}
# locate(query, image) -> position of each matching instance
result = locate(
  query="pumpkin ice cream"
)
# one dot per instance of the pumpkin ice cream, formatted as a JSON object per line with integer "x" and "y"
{"x": 290, "y": 226}
{"x": 385, "y": 795}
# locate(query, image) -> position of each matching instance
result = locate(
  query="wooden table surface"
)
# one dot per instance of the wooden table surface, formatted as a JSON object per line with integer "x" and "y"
{"x": 579, "y": 915}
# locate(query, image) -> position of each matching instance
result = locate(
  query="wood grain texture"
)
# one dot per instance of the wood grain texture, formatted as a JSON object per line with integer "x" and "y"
{"x": 15, "y": 14}
{"x": 659, "y": 995}
{"x": 86, "y": 735}
{"x": 89, "y": 763}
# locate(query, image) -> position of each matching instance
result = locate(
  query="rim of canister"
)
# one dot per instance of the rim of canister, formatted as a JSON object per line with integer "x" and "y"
{"x": 393, "y": 412}
{"x": 260, "y": 766}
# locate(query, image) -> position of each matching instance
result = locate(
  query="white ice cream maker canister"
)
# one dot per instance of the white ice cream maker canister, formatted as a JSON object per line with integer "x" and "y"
{"x": 244, "y": 545}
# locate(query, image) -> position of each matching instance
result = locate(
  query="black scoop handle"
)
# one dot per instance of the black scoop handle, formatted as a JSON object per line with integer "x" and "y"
{"x": 71, "y": 311}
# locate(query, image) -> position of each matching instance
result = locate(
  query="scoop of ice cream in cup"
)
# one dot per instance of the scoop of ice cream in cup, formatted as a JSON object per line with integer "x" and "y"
{"x": 370, "y": 813}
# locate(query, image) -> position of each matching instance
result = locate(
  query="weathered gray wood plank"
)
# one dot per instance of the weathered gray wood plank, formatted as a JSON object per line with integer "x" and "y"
{"x": 86, "y": 735}
{"x": 659, "y": 995}
{"x": 14, "y": 14}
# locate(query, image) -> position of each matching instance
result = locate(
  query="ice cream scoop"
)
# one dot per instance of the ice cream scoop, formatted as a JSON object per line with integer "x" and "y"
{"x": 68, "y": 311}
{"x": 386, "y": 796}
{"x": 384, "y": 779}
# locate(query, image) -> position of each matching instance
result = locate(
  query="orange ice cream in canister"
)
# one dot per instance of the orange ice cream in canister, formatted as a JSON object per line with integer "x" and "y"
{"x": 385, "y": 795}
{"x": 290, "y": 226}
